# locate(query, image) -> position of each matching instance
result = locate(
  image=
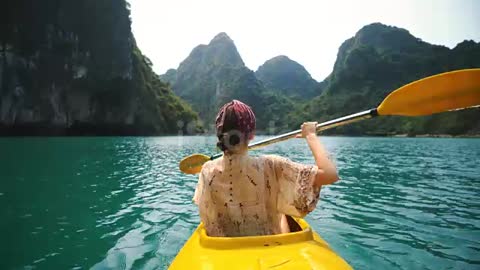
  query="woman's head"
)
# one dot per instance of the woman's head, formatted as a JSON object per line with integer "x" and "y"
{"x": 235, "y": 124}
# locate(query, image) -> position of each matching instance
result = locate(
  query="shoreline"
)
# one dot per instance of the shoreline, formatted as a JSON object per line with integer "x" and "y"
{"x": 474, "y": 136}
{"x": 82, "y": 130}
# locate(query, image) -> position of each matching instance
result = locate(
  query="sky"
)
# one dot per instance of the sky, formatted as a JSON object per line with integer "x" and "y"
{"x": 307, "y": 31}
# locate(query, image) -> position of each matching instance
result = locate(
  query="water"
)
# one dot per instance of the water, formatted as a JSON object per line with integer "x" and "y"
{"x": 121, "y": 203}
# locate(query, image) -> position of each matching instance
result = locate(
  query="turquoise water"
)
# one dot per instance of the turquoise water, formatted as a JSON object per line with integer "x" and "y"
{"x": 121, "y": 203}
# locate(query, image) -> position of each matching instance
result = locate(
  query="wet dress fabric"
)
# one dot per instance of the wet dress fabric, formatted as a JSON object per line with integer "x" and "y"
{"x": 241, "y": 195}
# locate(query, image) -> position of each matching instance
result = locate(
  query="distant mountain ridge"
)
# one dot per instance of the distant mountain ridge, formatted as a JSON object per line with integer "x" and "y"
{"x": 377, "y": 60}
{"x": 285, "y": 76}
{"x": 214, "y": 74}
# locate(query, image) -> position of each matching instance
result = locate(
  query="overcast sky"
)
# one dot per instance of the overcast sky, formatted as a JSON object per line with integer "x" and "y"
{"x": 307, "y": 31}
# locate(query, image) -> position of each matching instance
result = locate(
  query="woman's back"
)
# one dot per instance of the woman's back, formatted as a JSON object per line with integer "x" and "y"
{"x": 240, "y": 195}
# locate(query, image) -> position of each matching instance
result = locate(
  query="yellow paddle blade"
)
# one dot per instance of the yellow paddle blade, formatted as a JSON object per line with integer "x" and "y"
{"x": 443, "y": 92}
{"x": 193, "y": 164}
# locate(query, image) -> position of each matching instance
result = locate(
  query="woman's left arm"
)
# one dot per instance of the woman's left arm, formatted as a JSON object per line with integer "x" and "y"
{"x": 327, "y": 173}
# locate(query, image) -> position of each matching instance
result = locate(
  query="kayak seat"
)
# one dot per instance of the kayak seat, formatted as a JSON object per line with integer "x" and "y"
{"x": 294, "y": 226}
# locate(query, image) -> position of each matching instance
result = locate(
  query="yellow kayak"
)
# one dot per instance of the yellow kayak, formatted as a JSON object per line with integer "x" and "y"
{"x": 303, "y": 249}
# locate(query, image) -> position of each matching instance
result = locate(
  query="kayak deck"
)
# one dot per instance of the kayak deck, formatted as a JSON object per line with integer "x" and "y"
{"x": 304, "y": 249}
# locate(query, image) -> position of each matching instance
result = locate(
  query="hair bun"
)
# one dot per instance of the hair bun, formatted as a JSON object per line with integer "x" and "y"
{"x": 233, "y": 139}
{"x": 227, "y": 141}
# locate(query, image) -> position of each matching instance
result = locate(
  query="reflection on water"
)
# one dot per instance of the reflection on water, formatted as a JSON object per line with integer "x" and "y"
{"x": 121, "y": 203}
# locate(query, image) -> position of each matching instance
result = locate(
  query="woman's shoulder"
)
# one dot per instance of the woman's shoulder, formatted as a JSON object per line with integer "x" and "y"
{"x": 210, "y": 166}
{"x": 273, "y": 158}
{"x": 207, "y": 167}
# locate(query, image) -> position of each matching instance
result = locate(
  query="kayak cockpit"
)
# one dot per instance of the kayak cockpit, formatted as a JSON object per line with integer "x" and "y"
{"x": 304, "y": 234}
{"x": 297, "y": 250}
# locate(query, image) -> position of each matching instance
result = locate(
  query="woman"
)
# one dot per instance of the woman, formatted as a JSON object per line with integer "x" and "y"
{"x": 241, "y": 195}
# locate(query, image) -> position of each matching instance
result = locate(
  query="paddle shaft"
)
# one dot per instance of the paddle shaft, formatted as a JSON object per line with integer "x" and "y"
{"x": 320, "y": 127}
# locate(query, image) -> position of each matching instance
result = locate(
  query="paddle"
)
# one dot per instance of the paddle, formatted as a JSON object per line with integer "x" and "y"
{"x": 439, "y": 93}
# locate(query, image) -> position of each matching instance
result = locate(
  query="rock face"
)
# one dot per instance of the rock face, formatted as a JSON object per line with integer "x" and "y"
{"x": 285, "y": 76}
{"x": 72, "y": 67}
{"x": 214, "y": 74}
{"x": 376, "y": 61}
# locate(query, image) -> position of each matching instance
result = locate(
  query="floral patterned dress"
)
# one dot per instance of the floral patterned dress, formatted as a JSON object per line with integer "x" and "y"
{"x": 241, "y": 195}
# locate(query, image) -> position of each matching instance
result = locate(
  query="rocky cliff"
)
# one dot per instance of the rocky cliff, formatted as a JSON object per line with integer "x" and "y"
{"x": 72, "y": 67}
{"x": 376, "y": 61}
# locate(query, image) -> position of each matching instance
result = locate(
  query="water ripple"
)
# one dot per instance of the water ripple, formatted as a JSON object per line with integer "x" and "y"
{"x": 122, "y": 203}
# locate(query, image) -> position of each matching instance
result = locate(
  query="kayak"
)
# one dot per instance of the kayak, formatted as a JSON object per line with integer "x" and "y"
{"x": 302, "y": 249}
